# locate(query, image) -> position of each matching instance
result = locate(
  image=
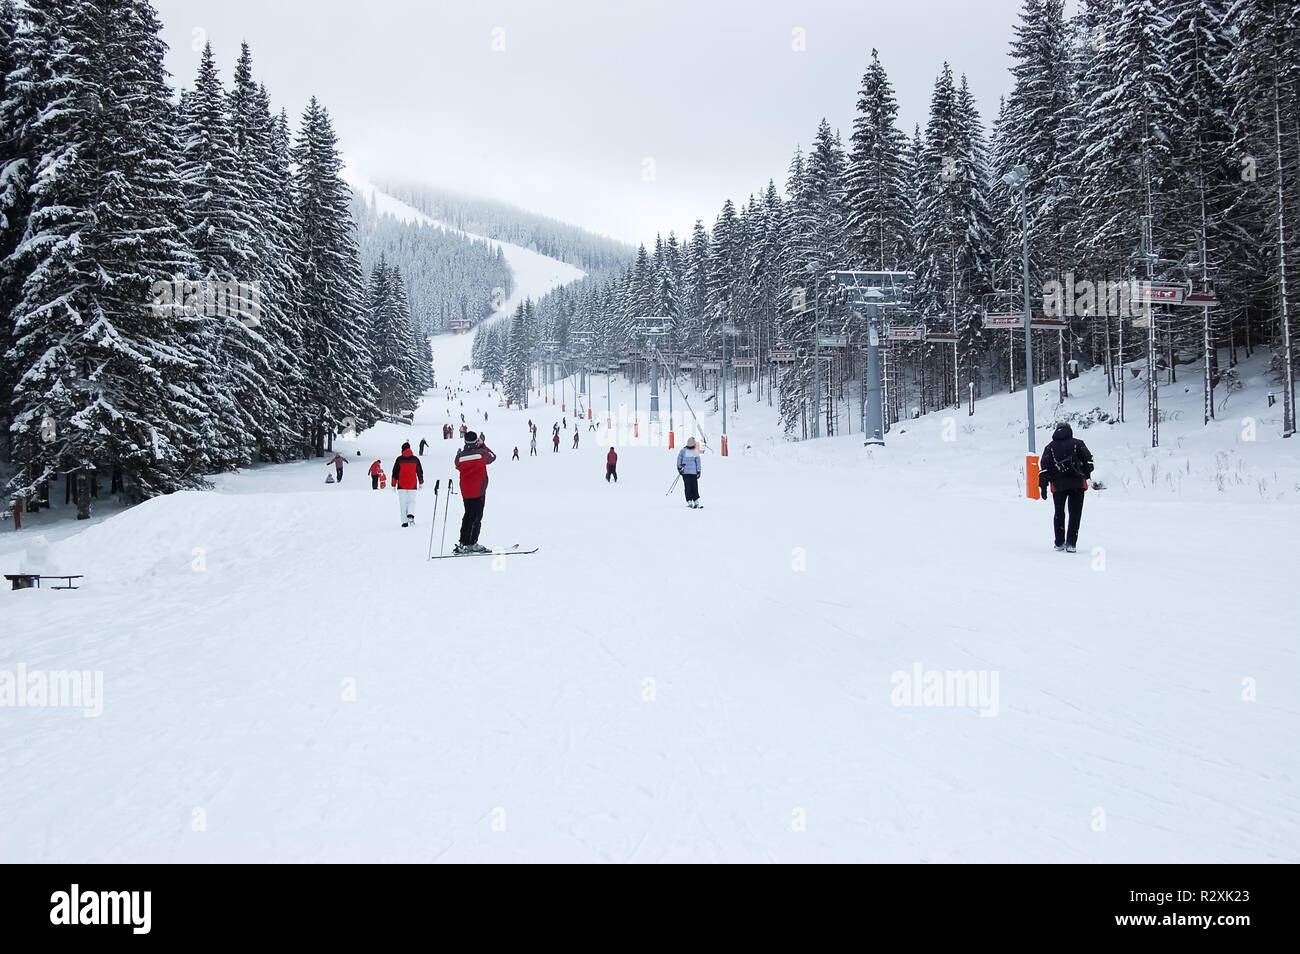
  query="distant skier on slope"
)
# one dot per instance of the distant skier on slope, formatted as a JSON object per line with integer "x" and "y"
{"x": 338, "y": 461}
{"x": 532, "y": 445}
{"x": 556, "y": 440}
{"x": 472, "y": 463}
{"x": 408, "y": 477}
{"x": 516, "y": 454}
{"x": 423, "y": 446}
{"x": 376, "y": 475}
{"x": 1065, "y": 467}
{"x": 575, "y": 437}
{"x": 690, "y": 468}
{"x": 611, "y": 465}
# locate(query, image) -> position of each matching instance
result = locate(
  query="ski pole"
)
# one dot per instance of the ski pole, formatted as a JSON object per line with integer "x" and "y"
{"x": 434, "y": 521}
{"x": 672, "y": 485}
{"x": 445, "y": 506}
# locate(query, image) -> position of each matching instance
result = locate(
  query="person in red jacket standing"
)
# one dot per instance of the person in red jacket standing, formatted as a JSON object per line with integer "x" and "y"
{"x": 472, "y": 463}
{"x": 408, "y": 477}
{"x": 611, "y": 465}
{"x": 376, "y": 475}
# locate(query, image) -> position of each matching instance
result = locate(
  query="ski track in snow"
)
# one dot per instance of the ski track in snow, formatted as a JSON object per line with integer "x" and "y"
{"x": 502, "y": 712}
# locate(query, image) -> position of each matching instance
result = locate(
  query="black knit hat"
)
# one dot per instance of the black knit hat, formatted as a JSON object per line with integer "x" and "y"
{"x": 406, "y": 445}
{"x": 471, "y": 437}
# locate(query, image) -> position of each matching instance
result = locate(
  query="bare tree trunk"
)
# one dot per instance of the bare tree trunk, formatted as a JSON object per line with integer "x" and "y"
{"x": 1110, "y": 357}
{"x": 82, "y": 481}
{"x": 1064, "y": 389}
{"x": 1288, "y": 369}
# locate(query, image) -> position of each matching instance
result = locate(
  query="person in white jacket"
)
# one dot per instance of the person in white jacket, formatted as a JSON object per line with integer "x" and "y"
{"x": 688, "y": 465}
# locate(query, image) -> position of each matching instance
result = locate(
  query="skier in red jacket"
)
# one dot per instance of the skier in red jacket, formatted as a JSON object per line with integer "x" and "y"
{"x": 611, "y": 465}
{"x": 408, "y": 477}
{"x": 472, "y": 463}
{"x": 376, "y": 475}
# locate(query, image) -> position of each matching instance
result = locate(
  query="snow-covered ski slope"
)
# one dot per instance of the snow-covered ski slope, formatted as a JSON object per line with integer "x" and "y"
{"x": 286, "y": 677}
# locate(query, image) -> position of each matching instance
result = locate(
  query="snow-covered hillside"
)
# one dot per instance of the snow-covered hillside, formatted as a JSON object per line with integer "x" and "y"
{"x": 285, "y": 676}
{"x": 535, "y": 274}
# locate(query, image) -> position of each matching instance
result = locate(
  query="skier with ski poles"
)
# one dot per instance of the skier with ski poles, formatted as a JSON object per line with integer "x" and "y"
{"x": 690, "y": 468}
{"x": 472, "y": 462}
{"x": 408, "y": 477}
{"x": 532, "y": 446}
{"x": 1065, "y": 467}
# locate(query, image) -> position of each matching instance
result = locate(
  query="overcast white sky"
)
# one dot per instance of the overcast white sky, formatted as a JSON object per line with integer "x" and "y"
{"x": 563, "y": 120}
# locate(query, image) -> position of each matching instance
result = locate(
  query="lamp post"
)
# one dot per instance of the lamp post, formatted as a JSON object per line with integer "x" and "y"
{"x": 1018, "y": 180}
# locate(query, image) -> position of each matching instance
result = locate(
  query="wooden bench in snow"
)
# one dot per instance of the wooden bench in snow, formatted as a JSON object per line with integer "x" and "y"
{"x": 26, "y": 581}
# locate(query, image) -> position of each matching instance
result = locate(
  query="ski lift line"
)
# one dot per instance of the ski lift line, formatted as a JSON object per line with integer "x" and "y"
{"x": 672, "y": 383}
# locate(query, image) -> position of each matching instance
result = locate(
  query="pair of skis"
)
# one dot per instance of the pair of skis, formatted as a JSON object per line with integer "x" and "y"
{"x": 509, "y": 551}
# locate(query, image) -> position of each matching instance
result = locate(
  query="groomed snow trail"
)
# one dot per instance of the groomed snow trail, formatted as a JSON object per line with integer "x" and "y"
{"x": 656, "y": 684}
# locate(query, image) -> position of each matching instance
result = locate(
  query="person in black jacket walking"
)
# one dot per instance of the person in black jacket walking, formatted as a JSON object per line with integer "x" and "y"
{"x": 1065, "y": 467}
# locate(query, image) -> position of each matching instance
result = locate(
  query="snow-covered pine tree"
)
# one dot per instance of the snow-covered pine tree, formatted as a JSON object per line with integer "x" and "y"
{"x": 1205, "y": 179}
{"x": 955, "y": 233}
{"x": 977, "y": 256}
{"x": 221, "y": 233}
{"x": 724, "y": 269}
{"x": 695, "y": 287}
{"x": 515, "y": 383}
{"x": 26, "y": 49}
{"x": 104, "y": 380}
{"x": 390, "y": 341}
{"x": 794, "y": 315}
{"x": 414, "y": 351}
{"x": 875, "y": 178}
{"x": 338, "y": 365}
{"x": 767, "y": 278}
{"x": 261, "y": 155}
{"x": 1265, "y": 77}
{"x": 1034, "y": 130}
{"x": 1123, "y": 156}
